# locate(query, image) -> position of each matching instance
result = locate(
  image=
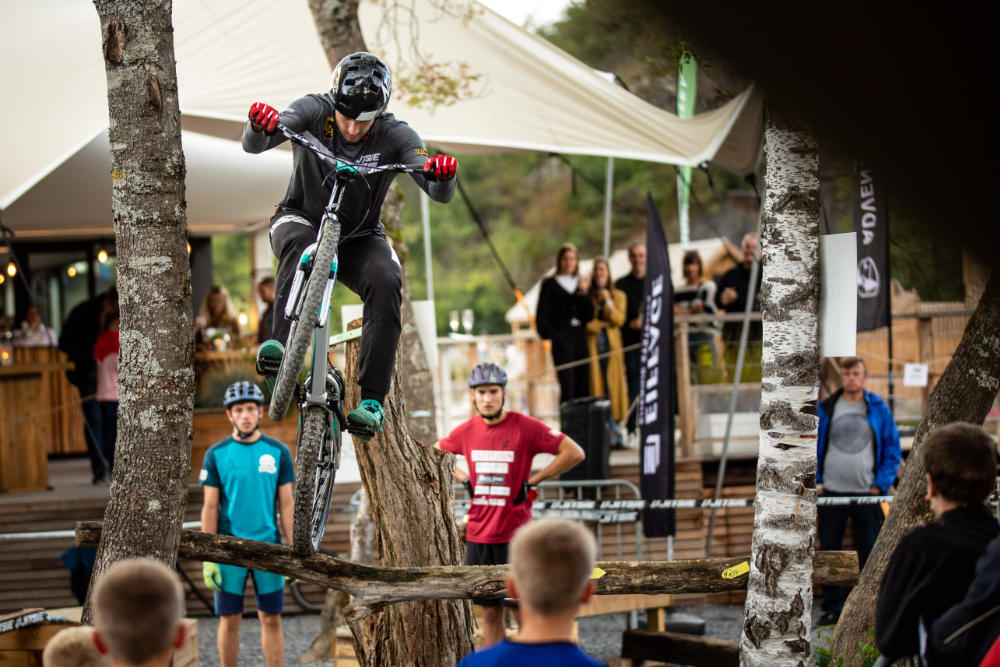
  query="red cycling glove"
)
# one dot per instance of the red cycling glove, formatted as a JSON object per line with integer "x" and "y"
{"x": 527, "y": 494}
{"x": 263, "y": 117}
{"x": 441, "y": 168}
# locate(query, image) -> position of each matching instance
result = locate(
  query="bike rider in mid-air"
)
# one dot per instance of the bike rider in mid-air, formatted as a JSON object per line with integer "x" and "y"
{"x": 352, "y": 122}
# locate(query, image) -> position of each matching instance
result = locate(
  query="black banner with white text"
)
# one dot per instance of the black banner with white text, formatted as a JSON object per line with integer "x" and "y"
{"x": 656, "y": 389}
{"x": 871, "y": 223}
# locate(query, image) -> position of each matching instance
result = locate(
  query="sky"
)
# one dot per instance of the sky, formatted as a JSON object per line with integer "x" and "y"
{"x": 541, "y": 12}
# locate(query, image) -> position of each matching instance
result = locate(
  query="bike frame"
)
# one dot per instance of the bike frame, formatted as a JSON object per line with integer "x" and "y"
{"x": 316, "y": 393}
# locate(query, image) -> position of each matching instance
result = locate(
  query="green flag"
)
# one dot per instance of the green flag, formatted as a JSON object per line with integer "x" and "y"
{"x": 687, "y": 89}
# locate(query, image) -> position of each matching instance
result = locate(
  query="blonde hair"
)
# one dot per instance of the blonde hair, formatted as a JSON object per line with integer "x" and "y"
{"x": 138, "y": 604}
{"x": 227, "y": 317}
{"x": 551, "y": 561}
{"x": 74, "y": 647}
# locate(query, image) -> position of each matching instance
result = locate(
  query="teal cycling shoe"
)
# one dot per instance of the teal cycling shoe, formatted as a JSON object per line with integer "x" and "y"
{"x": 366, "y": 420}
{"x": 269, "y": 356}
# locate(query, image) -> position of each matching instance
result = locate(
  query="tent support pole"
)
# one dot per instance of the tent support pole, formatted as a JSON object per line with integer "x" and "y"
{"x": 740, "y": 358}
{"x": 425, "y": 217}
{"x": 609, "y": 188}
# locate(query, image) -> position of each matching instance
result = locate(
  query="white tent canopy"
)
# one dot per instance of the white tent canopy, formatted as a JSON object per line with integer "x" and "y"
{"x": 233, "y": 52}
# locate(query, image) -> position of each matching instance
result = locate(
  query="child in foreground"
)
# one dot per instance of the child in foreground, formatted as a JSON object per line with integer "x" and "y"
{"x": 550, "y": 563}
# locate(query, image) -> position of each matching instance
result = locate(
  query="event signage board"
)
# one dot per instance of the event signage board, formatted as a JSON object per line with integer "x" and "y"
{"x": 656, "y": 383}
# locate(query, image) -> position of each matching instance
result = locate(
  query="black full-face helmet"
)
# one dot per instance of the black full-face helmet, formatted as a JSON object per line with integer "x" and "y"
{"x": 360, "y": 86}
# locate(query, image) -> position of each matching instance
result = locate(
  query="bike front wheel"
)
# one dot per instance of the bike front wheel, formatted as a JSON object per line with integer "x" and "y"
{"x": 316, "y": 454}
{"x": 301, "y": 331}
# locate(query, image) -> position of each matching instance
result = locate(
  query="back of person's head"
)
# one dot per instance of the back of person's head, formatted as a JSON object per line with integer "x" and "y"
{"x": 961, "y": 459}
{"x": 73, "y": 647}
{"x": 551, "y": 561}
{"x": 138, "y": 607}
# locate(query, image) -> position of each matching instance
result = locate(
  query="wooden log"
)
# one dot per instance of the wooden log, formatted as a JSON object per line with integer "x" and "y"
{"x": 379, "y": 586}
{"x": 675, "y": 647}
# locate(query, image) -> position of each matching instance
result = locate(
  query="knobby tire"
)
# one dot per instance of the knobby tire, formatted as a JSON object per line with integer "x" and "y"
{"x": 301, "y": 331}
{"x": 315, "y": 460}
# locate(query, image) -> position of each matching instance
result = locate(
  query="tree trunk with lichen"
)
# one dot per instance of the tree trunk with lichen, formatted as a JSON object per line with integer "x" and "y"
{"x": 779, "y": 592}
{"x": 156, "y": 377}
{"x": 415, "y": 372}
{"x": 965, "y": 392}
{"x": 410, "y": 491}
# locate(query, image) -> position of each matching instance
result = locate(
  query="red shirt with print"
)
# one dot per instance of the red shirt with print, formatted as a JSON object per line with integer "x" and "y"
{"x": 499, "y": 459}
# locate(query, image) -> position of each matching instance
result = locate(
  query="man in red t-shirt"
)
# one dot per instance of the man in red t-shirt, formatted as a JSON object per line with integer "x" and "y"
{"x": 499, "y": 447}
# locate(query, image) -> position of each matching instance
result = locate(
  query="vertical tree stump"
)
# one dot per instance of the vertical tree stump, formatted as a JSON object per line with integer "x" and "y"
{"x": 410, "y": 491}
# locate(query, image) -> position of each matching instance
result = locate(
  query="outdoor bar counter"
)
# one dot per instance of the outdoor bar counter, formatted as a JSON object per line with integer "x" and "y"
{"x": 26, "y": 425}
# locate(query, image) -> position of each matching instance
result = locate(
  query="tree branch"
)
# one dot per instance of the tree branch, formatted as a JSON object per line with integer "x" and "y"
{"x": 376, "y": 587}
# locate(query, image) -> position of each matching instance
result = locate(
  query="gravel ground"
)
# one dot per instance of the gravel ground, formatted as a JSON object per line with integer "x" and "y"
{"x": 600, "y": 636}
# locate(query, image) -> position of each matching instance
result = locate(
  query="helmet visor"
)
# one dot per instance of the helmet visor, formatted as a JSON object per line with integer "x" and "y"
{"x": 356, "y": 111}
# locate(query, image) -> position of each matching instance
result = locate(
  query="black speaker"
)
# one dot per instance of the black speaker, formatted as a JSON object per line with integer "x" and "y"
{"x": 588, "y": 421}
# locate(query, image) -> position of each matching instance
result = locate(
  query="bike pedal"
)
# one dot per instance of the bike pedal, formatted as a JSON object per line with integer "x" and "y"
{"x": 363, "y": 432}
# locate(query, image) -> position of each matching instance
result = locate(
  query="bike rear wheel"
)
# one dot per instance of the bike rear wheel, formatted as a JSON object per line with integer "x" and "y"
{"x": 301, "y": 331}
{"x": 316, "y": 454}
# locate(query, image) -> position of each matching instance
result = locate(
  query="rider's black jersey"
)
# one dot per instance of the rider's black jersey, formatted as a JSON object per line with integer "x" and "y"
{"x": 388, "y": 141}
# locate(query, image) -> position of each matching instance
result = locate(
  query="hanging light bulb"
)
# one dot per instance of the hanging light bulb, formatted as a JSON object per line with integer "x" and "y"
{"x": 102, "y": 256}
{"x": 71, "y": 271}
{"x": 11, "y": 269}
{"x": 189, "y": 248}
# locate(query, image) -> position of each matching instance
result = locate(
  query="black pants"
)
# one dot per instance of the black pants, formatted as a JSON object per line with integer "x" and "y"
{"x": 571, "y": 345}
{"x": 368, "y": 267}
{"x": 92, "y": 428}
{"x": 633, "y": 369}
{"x": 866, "y": 520}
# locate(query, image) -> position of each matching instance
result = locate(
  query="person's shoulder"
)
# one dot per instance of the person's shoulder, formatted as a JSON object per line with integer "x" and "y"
{"x": 395, "y": 128}
{"x": 272, "y": 442}
{"x": 466, "y": 426}
{"x": 521, "y": 419}
{"x": 875, "y": 400}
{"x": 221, "y": 444}
{"x": 311, "y": 101}
{"x": 923, "y": 539}
{"x": 217, "y": 448}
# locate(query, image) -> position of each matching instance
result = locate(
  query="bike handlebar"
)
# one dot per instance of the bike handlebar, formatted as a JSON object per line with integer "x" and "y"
{"x": 307, "y": 140}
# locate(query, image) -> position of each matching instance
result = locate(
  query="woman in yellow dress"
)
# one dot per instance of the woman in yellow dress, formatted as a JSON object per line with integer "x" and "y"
{"x": 607, "y": 374}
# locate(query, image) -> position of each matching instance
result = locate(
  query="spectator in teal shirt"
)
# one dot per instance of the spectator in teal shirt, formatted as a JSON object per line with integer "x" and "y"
{"x": 246, "y": 478}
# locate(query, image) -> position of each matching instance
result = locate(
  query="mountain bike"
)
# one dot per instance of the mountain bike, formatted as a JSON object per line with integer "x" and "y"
{"x": 321, "y": 395}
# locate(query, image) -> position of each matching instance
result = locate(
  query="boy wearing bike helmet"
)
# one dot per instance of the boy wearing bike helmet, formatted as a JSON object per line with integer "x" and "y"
{"x": 499, "y": 447}
{"x": 352, "y": 122}
{"x": 245, "y": 477}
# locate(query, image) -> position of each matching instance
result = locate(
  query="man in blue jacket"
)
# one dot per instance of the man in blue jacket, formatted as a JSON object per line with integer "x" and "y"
{"x": 858, "y": 454}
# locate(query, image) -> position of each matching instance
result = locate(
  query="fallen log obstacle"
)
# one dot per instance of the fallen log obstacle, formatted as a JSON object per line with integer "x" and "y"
{"x": 375, "y": 587}
{"x": 675, "y": 647}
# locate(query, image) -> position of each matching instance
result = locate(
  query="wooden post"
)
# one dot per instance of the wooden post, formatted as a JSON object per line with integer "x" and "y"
{"x": 410, "y": 490}
{"x": 685, "y": 402}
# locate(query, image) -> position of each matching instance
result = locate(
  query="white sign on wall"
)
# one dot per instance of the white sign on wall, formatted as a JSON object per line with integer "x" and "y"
{"x": 915, "y": 375}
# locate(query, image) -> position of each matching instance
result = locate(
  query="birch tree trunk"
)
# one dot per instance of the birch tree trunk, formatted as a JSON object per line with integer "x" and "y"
{"x": 965, "y": 392}
{"x": 156, "y": 377}
{"x": 779, "y": 592}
